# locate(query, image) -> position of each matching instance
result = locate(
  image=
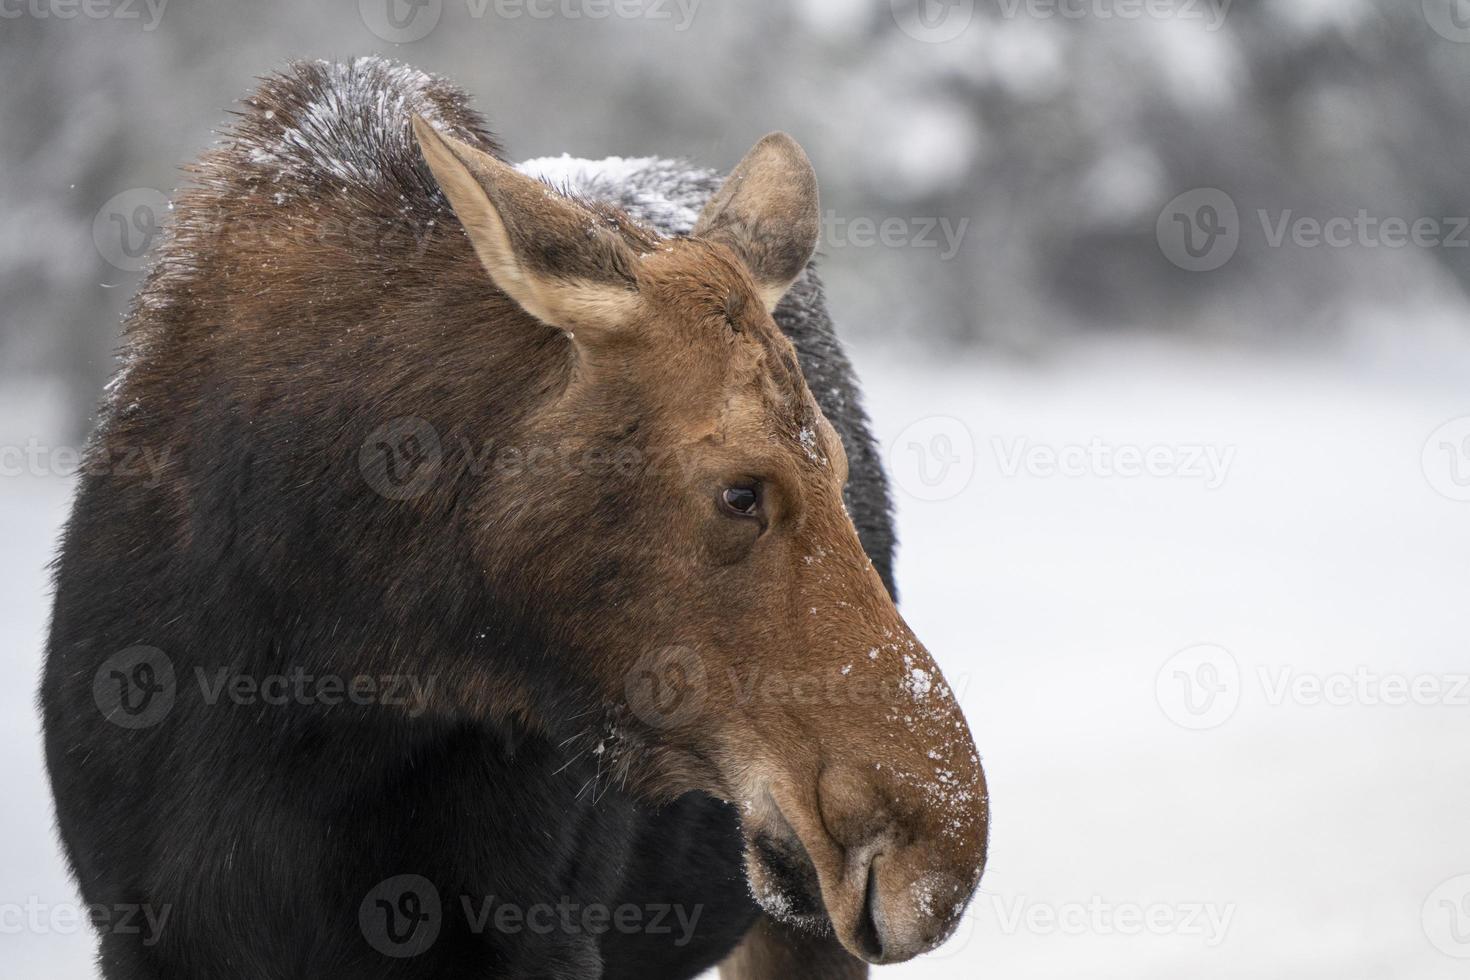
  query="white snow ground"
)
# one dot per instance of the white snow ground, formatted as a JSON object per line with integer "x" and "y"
{"x": 1293, "y": 839}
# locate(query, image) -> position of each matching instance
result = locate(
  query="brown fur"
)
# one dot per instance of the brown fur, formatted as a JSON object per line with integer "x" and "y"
{"x": 884, "y": 796}
{"x": 308, "y": 312}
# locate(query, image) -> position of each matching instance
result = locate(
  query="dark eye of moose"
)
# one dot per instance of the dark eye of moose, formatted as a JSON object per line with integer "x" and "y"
{"x": 741, "y": 501}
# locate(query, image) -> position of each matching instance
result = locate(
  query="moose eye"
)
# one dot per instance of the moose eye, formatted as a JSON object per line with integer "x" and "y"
{"x": 741, "y": 501}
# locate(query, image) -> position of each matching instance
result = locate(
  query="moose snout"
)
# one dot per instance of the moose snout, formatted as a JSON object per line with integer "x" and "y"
{"x": 902, "y": 915}
{"x": 910, "y": 868}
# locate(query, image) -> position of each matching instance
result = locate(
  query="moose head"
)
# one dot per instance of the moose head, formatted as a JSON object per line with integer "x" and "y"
{"x": 725, "y": 564}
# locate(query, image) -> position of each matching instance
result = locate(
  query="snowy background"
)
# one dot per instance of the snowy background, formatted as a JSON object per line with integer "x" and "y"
{"x": 1178, "y": 417}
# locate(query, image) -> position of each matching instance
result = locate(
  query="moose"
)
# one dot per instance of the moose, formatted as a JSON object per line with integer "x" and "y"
{"x": 516, "y": 599}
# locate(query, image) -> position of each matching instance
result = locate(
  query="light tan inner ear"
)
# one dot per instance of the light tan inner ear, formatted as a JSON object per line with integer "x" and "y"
{"x": 771, "y": 294}
{"x": 470, "y": 178}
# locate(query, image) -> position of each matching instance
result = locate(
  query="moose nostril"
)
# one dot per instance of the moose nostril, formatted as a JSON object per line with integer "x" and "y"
{"x": 870, "y": 929}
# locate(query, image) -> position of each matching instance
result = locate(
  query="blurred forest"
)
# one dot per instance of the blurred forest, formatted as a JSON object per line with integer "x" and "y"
{"x": 1021, "y": 154}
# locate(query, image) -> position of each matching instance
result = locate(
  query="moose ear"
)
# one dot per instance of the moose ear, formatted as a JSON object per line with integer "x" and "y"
{"x": 554, "y": 258}
{"x": 767, "y": 212}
